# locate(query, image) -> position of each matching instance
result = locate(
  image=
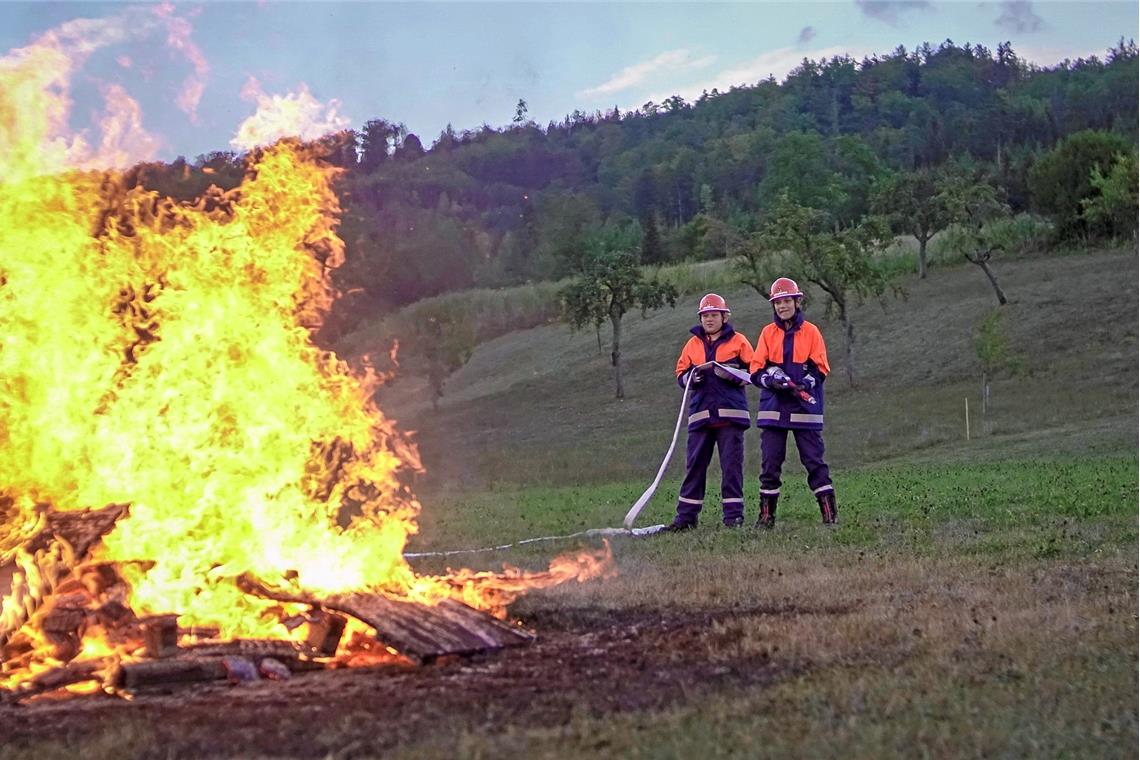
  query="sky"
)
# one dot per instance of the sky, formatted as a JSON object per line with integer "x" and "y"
{"x": 199, "y": 72}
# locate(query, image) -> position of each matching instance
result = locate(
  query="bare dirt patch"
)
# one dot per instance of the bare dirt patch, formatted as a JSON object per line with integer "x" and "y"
{"x": 586, "y": 659}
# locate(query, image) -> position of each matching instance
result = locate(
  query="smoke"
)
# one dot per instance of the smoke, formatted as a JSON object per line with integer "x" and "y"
{"x": 37, "y": 83}
{"x": 295, "y": 114}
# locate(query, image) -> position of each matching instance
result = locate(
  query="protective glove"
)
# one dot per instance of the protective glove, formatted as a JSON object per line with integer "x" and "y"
{"x": 694, "y": 376}
{"x": 776, "y": 379}
{"x": 808, "y": 381}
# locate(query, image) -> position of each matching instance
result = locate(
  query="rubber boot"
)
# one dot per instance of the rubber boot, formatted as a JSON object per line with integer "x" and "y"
{"x": 678, "y": 525}
{"x": 767, "y": 518}
{"x": 827, "y": 508}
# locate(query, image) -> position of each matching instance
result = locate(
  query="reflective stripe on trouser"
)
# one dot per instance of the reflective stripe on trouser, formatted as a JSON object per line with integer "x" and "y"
{"x": 729, "y": 442}
{"x": 773, "y": 449}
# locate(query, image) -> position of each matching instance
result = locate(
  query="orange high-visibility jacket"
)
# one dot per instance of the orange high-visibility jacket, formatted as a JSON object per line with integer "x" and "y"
{"x": 800, "y": 351}
{"x": 714, "y": 399}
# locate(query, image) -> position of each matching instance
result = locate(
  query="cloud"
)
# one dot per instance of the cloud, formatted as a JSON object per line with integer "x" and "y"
{"x": 631, "y": 76}
{"x": 890, "y": 11}
{"x": 1018, "y": 16}
{"x": 775, "y": 63}
{"x": 807, "y": 34}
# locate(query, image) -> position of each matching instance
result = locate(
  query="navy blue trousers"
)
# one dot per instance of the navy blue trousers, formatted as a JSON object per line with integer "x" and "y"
{"x": 729, "y": 442}
{"x": 773, "y": 449}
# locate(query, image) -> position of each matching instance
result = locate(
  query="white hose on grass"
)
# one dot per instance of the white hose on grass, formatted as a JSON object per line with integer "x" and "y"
{"x": 634, "y": 511}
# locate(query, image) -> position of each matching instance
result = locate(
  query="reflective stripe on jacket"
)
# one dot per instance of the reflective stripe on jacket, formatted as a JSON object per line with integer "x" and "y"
{"x": 714, "y": 399}
{"x": 800, "y": 351}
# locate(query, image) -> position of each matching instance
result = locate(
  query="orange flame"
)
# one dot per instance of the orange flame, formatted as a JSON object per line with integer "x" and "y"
{"x": 160, "y": 355}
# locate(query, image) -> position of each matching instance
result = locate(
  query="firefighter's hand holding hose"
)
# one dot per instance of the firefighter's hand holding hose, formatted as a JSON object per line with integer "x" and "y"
{"x": 774, "y": 378}
{"x": 696, "y": 375}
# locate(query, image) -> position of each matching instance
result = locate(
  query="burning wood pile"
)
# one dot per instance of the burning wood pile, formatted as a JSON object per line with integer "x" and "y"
{"x": 159, "y": 355}
{"x": 82, "y": 597}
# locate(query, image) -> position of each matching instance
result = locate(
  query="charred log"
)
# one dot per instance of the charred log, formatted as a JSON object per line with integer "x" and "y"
{"x": 56, "y": 678}
{"x": 213, "y": 661}
{"x": 149, "y": 673}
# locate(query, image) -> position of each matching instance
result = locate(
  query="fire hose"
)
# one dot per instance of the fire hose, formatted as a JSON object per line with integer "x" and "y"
{"x": 635, "y": 510}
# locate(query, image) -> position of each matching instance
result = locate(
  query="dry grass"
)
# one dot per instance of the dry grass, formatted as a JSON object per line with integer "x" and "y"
{"x": 896, "y": 657}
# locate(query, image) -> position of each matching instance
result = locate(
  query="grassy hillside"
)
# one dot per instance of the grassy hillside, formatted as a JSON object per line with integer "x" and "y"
{"x": 537, "y": 406}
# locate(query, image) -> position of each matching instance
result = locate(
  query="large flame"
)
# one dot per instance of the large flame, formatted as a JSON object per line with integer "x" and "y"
{"x": 160, "y": 355}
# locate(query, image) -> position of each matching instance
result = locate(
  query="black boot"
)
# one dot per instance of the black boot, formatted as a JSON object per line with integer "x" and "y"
{"x": 678, "y": 525}
{"x": 767, "y": 511}
{"x": 827, "y": 508}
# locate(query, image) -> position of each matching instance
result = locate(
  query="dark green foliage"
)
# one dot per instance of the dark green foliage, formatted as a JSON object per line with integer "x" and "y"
{"x": 652, "y": 250}
{"x": 1062, "y": 178}
{"x": 1112, "y": 205}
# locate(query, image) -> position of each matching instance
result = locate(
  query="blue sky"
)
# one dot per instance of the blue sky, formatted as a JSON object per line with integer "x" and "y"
{"x": 198, "y": 72}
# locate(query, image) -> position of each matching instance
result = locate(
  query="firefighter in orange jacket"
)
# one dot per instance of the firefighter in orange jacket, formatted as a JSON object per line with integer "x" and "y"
{"x": 718, "y": 413}
{"x": 790, "y": 366}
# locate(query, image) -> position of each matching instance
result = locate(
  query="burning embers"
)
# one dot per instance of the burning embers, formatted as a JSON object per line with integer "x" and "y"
{"x": 158, "y": 355}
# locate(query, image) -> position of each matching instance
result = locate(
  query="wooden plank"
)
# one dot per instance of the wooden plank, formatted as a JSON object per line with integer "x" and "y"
{"x": 418, "y": 631}
{"x": 56, "y": 550}
{"x": 254, "y": 649}
{"x": 425, "y": 633}
{"x": 81, "y": 529}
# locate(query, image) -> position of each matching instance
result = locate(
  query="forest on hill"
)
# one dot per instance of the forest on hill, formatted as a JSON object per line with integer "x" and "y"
{"x": 843, "y": 141}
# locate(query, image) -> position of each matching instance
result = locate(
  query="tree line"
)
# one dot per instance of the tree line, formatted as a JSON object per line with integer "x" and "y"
{"x": 825, "y": 165}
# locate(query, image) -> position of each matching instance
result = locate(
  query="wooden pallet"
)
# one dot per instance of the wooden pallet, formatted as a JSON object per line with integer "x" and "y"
{"x": 417, "y": 631}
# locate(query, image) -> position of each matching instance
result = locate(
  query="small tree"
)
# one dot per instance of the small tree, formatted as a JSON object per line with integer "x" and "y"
{"x": 993, "y": 353}
{"x": 444, "y": 342}
{"x": 914, "y": 203}
{"x": 807, "y": 246}
{"x": 609, "y": 284}
{"x": 976, "y": 204}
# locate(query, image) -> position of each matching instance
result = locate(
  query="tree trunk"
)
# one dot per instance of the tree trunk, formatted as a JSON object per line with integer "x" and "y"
{"x": 984, "y": 384}
{"x": 985, "y": 402}
{"x": 993, "y": 280}
{"x": 615, "y": 320}
{"x": 850, "y": 344}
{"x": 922, "y": 241}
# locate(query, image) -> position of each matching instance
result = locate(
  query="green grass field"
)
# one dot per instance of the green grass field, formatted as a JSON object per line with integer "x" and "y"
{"x": 993, "y": 581}
{"x": 979, "y": 598}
